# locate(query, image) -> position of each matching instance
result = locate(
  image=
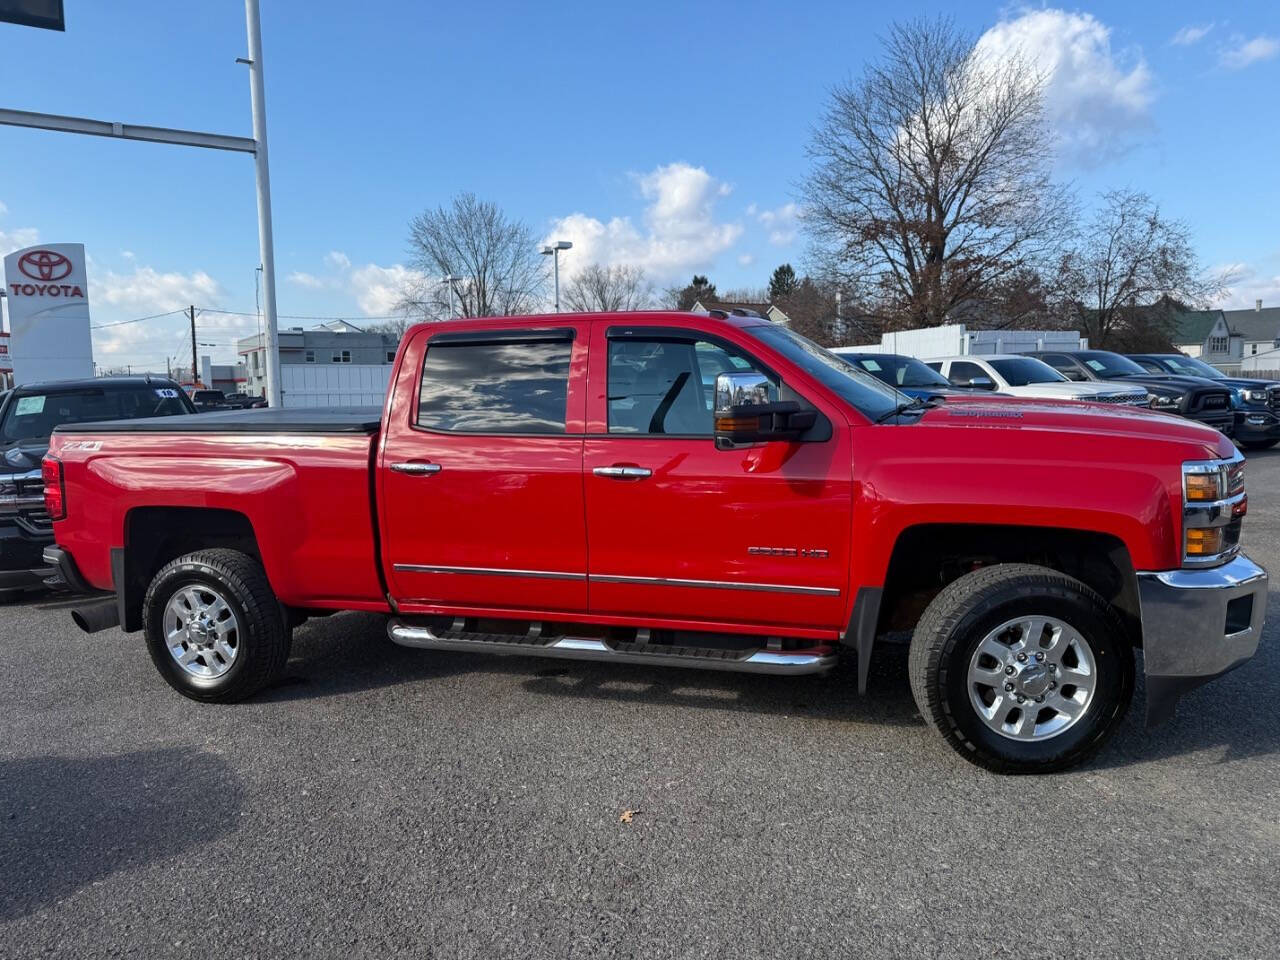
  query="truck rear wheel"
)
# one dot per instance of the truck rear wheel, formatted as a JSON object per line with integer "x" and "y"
{"x": 1021, "y": 668}
{"x": 213, "y": 626}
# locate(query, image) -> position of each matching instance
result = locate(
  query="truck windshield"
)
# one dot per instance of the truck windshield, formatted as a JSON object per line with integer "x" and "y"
{"x": 1024, "y": 371}
{"x": 901, "y": 371}
{"x": 1111, "y": 366}
{"x": 32, "y": 416}
{"x": 1193, "y": 368}
{"x": 864, "y": 392}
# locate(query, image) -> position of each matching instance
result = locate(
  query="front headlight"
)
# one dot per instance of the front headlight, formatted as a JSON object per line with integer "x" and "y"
{"x": 1256, "y": 396}
{"x": 1213, "y": 508}
{"x": 1161, "y": 401}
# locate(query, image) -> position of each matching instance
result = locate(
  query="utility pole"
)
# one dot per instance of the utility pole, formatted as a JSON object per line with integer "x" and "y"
{"x": 194, "y": 362}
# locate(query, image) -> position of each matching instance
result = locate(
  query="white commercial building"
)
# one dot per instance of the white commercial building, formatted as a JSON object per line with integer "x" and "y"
{"x": 955, "y": 339}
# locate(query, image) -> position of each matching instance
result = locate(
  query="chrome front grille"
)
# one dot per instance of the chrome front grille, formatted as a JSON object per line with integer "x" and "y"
{"x": 1130, "y": 399}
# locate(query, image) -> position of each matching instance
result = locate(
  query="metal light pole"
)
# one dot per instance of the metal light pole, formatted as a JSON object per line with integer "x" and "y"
{"x": 449, "y": 281}
{"x": 554, "y": 252}
{"x": 266, "y": 246}
{"x": 213, "y": 141}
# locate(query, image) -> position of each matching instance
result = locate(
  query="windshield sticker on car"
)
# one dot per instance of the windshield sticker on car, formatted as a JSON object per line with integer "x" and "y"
{"x": 167, "y": 392}
{"x": 870, "y": 365}
{"x": 1096, "y": 365}
{"x": 29, "y": 405}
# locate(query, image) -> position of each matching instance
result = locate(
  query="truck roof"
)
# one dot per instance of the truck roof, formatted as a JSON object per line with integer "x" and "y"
{"x": 86, "y": 383}
{"x": 620, "y": 316}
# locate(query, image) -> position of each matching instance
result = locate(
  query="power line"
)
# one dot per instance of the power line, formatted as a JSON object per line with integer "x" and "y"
{"x": 294, "y": 316}
{"x": 121, "y": 323}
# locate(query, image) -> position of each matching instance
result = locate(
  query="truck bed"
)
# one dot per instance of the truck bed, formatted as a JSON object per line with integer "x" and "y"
{"x": 301, "y": 478}
{"x": 338, "y": 420}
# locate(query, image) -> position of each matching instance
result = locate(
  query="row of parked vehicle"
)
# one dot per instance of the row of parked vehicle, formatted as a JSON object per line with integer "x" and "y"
{"x": 1245, "y": 409}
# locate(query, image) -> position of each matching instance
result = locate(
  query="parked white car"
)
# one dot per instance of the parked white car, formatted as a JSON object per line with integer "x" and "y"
{"x": 1021, "y": 376}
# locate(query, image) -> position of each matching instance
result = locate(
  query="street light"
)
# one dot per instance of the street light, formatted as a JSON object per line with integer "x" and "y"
{"x": 554, "y": 252}
{"x": 450, "y": 280}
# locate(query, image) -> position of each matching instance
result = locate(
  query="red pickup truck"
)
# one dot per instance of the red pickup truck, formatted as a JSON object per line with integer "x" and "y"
{"x": 682, "y": 490}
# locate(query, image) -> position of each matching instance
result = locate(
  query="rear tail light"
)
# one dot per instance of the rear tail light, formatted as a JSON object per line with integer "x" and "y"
{"x": 55, "y": 494}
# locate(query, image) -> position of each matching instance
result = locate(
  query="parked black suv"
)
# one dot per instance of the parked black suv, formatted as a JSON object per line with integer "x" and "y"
{"x": 28, "y": 415}
{"x": 1255, "y": 403}
{"x": 1193, "y": 397}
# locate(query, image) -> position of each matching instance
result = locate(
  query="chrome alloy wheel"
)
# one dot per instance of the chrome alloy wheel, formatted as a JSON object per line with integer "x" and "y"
{"x": 201, "y": 631}
{"x": 1032, "y": 678}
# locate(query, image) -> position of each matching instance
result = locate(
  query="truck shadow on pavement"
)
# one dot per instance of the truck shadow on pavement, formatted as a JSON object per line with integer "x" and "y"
{"x": 66, "y": 822}
{"x": 350, "y": 652}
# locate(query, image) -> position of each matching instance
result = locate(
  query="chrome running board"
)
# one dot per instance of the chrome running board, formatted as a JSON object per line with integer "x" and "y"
{"x": 777, "y": 662}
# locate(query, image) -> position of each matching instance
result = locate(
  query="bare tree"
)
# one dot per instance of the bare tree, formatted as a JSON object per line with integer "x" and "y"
{"x": 617, "y": 287}
{"x": 496, "y": 258}
{"x": 930, "y": 182}
{"x": 1130, "y": 271}
{"x": 395, "y": 327}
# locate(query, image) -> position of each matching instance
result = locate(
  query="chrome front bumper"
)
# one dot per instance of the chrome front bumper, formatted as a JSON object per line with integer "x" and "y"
{"x": 1197, "y": 625}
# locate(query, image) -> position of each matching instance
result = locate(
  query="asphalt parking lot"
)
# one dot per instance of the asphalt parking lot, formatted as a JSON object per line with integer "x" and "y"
{"x": 444, "y": 805}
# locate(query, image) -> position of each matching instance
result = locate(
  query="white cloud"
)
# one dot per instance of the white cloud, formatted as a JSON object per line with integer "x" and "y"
{"x": 11, "y": 240}
{"x": 1248, "y": 283}
{"x": 1243, "y": 52}
{"x": 1094, "y": 100}
{"x": 746, "y": 259}
{"x": 679, "y": 234}
{"x": 17, "y": 237}
{"x": 782, "y": 223}
{"x": 379, "y": 290}
{"x": 1191, "y": 35}
{"x": 309, "y": 280}
{"x": 146, "y": 290}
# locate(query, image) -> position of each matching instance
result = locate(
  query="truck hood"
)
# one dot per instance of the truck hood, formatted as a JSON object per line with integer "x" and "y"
{"x": 1071, "y": 390}
{"x": 1069, "y": 417}
{"x": 22, "y": 456}
{"x": 1178, "y": 382}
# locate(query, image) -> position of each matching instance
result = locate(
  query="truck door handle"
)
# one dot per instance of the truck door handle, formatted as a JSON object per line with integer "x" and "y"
{"x": 416, "y": 469}
{"x": 623, "y": 473}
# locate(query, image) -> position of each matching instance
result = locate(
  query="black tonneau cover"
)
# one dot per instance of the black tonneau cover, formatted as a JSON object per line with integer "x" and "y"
{"x": 319, "y": 420}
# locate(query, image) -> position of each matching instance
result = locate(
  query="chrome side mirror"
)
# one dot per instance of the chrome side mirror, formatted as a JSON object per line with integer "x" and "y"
{"x": 745, "y": 411}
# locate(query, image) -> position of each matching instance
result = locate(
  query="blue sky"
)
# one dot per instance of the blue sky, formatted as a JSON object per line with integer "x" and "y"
{"x": 667, "y": 134}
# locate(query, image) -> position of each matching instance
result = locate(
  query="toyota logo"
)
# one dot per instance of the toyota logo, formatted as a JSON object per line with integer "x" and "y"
{"x": 44, "y": 265}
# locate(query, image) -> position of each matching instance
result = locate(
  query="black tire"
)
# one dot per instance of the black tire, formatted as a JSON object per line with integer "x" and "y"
{"x": 969, "y": 608}
{"x": 1258, "y": 444}
{"x": 263, "y": 639}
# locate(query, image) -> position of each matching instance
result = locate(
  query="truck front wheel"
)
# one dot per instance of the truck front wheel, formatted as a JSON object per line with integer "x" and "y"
{"x": 1021, "y": 668}
{"x": 213, "y": 626}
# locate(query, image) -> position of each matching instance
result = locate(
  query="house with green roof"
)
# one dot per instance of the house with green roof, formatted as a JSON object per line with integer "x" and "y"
{"x": 1225, "y": 338}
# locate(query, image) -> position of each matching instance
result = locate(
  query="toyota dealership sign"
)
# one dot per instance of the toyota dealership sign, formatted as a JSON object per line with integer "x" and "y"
{"x": 48, "y": 296}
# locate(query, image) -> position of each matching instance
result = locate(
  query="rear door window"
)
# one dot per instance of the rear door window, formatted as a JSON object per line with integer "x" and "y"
{"x": 498, "y": 386}
{"x": 962, "y": 373}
